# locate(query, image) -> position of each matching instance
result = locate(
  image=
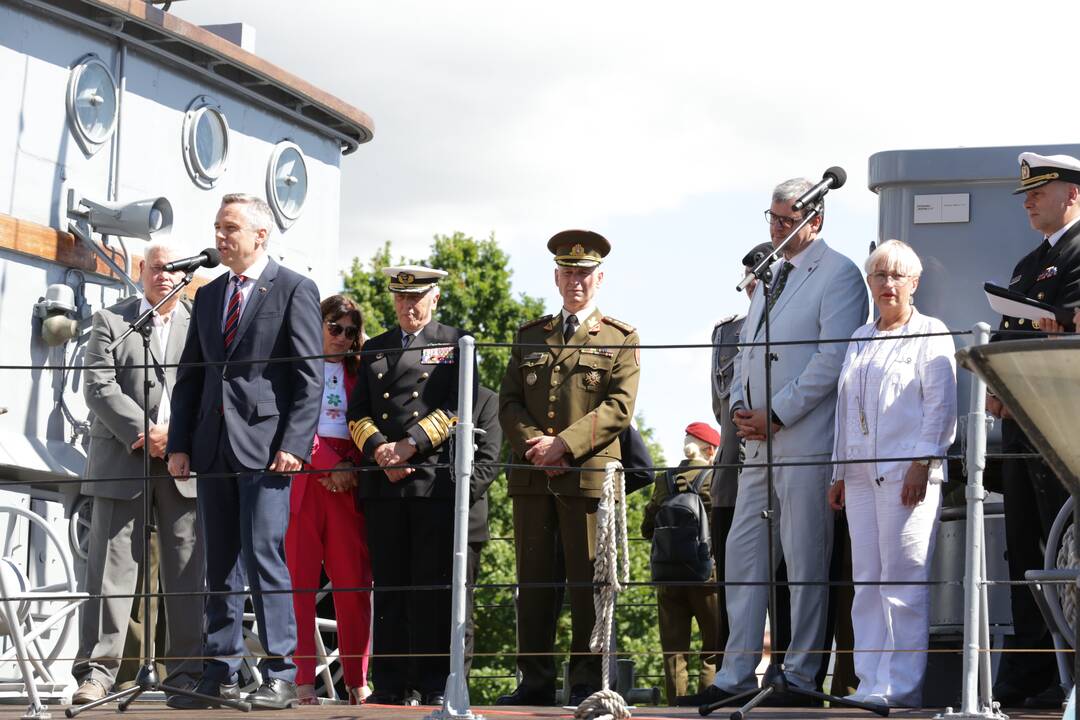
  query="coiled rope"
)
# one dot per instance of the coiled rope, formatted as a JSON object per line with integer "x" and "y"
{"x": 1066, "y": 558}
{"x": 609, "y": 575}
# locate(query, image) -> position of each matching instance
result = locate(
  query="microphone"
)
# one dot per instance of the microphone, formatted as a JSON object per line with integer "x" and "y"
{"x": 833, "y": 178}
{"x": 209, "y": 257}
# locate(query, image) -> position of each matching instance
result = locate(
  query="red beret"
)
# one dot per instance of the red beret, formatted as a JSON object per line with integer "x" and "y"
{"x": 704, "y": 432}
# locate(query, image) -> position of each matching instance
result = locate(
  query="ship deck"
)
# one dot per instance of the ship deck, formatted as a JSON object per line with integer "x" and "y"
{"x": 156, "y": 710}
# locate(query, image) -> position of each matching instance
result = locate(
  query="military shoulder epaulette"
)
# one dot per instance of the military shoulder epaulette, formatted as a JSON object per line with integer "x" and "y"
{"x": 619, "y": 324}
{"x": 726, "y": 320}
{"x": 533, "y": 323}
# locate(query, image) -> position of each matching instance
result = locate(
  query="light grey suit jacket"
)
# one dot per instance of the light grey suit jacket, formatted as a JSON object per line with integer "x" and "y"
{"x": 824, "y": 298}
{"x": 114, "y": 394}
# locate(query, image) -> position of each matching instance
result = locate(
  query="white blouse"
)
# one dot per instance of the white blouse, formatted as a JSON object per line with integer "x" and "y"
{"x": 910, "y": 405}
{"x": 332, "y": 422}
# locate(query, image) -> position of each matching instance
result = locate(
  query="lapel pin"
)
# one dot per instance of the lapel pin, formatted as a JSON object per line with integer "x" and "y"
{"x": 262, "y": 289}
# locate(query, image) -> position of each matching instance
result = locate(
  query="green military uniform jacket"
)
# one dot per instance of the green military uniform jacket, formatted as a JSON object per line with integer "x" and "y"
{"x": 584, "y": 395}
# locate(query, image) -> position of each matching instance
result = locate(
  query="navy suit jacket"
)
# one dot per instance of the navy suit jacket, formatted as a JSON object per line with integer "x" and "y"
{"x": 261, "y": 407}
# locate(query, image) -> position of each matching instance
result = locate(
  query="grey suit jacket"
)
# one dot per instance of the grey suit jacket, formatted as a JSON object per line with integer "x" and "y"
{"x": 114, "y": 394}
{"x": 824, "y": 298}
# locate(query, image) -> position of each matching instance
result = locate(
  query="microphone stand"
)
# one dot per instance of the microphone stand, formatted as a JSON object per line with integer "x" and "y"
{"x": 775, "y": 681}
{"x": 147, "y": 678}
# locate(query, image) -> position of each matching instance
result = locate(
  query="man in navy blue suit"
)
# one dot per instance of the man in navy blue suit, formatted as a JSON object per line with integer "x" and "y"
{"x": 247, "y": 423}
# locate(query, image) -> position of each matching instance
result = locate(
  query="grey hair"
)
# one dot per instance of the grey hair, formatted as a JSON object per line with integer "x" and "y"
{"x": 160, "y": 246}
{"x": 894, "y": 255}
{"x": 258, "y": 212}
{"x": 792, "y": 189}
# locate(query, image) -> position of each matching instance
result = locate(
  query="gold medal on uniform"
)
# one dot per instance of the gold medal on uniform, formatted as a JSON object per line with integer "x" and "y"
{"x": 530, "y": 379}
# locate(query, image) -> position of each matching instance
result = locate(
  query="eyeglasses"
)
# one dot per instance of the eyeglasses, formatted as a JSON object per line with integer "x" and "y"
{"x": 879, "y": 278}
{"x": 351, "y": 331}
{"x": 783, "y": 221}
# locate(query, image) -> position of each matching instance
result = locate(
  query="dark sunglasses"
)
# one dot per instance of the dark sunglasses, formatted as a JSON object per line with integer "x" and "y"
{"x": 351, "y": 332}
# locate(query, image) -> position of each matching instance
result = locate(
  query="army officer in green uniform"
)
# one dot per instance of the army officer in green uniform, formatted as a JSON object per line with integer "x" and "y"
{"x": 563, "y": 407}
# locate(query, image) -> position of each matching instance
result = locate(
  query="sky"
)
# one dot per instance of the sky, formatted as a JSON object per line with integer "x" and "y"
{"x": 663, "y": 126}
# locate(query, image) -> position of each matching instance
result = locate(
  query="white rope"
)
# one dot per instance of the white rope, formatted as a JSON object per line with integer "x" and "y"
{"x": 609, "y": 574}
{"x": 1066, "y": 558}
{"x": 603, "y": 705}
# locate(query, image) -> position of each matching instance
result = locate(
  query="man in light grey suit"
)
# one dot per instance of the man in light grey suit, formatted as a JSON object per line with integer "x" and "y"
{"x": 816, "y": 293}
{"x": 114, "y": 393}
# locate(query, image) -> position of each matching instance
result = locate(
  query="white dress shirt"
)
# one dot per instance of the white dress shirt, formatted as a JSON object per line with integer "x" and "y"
{"x": 251, "y": 275}
{"x": 1052, "y": 239}
{"x": 162, "y": 327}
{"x": 581, "y": 316}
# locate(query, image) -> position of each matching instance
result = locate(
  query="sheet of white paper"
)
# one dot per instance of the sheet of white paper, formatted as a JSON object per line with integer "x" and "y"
{"x": 1016, "y": 309}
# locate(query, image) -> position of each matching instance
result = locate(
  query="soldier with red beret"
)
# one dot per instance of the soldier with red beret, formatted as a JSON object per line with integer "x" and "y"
{"x": 678, "y": 605}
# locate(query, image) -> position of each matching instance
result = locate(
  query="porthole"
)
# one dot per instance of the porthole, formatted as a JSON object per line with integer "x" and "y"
{"x": 287, "y": 182}
{"x": 205, "y": 141}
{"x": 91, "y": 103}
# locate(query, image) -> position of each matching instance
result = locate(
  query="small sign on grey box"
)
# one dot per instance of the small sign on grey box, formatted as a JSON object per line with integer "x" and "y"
{"x": 954, "y": 208}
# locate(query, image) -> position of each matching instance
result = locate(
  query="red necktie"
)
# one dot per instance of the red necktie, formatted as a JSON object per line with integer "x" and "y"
{"x": 232, "y": 316}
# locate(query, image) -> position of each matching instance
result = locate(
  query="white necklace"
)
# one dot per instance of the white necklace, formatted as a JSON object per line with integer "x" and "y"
{"x": 864, "y": 369}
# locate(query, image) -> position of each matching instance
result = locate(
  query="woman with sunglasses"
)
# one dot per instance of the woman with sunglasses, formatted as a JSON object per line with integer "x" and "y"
{"x": 325, "y": 527}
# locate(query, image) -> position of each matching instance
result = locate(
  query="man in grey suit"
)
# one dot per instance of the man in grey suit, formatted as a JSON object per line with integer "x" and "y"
{"x": 816, "y": 293}
{"x": 114, "y": 393}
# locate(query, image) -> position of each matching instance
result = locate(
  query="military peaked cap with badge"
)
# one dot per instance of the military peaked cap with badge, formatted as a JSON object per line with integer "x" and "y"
{"x": 579, "y": 248}
{"x": 1049, "y": 273}
{"x": 1037, "y": 170}
{"x": 412, "y": 278}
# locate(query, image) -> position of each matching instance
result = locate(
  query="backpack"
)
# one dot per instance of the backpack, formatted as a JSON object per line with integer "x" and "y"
{"x": 680, "y": 543}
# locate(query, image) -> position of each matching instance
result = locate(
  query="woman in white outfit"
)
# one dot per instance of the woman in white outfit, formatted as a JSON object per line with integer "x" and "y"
{"x": 897, "y": 399}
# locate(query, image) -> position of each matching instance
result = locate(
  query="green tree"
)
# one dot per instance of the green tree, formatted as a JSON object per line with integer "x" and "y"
{"x": 475, "y": 295}
{"x": 367, "y": 287}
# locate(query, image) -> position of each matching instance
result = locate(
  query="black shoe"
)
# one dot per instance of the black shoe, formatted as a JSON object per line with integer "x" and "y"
{"x": 274, "y": 694}
{"x": 412, "y": 698}
{"x": 709, "y": 696}
{"x": 1009, "y": 697}
{"x": 579, "y": 693}
{"x": 209, "y": 688}
{"x": 435, "y": 698}
{"x": 1052, "y": 698}
{"x": 542, "y": 697}
{"x": 383, "y": 697}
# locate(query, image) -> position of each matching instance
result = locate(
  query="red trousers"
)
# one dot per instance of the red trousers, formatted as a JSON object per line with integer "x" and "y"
{"x": 326, "y": 529}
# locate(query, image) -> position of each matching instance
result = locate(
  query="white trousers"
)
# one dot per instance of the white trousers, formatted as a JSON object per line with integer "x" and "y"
{"x": 892, "y": 543}
{"x": 804, "y": 526}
